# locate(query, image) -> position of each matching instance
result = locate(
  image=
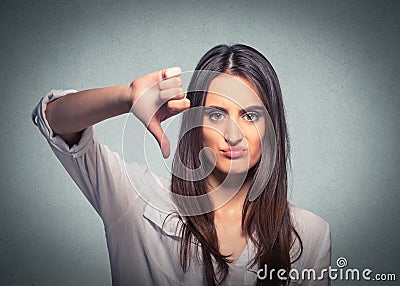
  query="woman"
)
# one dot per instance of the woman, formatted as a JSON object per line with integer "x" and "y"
{"x": 250, "y": 236}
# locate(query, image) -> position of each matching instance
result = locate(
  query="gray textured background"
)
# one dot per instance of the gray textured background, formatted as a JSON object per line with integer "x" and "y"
{"x": 339, "y": 71}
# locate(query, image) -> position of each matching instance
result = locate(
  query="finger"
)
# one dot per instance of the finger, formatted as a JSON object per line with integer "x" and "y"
{"x": 170, "y": 83}
{"x": 171, "y": 93}
{"x": 179, "y": 105}
{"x": 170, "y": 72}
{"x": 158, "y": 133}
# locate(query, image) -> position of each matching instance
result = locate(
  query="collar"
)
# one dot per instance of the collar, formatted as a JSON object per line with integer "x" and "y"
{"x": 160, "y": 208}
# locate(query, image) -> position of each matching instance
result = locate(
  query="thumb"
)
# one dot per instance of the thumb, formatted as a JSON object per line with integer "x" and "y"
{"x": 163, "y": 141}
{"x": 170, "y": 72}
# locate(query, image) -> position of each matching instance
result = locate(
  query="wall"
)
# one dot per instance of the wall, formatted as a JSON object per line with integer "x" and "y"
{"x": 338, "y": 65}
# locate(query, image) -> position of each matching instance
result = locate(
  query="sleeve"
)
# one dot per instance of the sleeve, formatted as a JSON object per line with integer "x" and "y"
{"x": 312, "y": 266}
{"x": 99, "y": 172}
{"x": 323, "y": 260}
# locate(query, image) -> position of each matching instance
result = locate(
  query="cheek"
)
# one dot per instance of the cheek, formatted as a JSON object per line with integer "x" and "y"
{"x": 210, "y": 137}
{"x": 254, "y": 143}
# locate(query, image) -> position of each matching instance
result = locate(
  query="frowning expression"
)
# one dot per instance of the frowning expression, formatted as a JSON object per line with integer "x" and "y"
{"x": 233, "y": 124}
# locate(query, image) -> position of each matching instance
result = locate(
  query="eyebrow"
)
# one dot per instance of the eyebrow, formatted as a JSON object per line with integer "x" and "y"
{"x": 258, "y": 108}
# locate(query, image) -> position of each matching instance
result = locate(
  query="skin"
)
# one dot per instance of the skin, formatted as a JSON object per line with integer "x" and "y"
{"x": 69, "y": 115}
{"x": 236, "y": 125}
{"x": 144, "y": 97}
{"x": 231, "y": 123}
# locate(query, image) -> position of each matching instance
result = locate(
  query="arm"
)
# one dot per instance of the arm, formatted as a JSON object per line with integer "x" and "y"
{"x": 323, "y": 260}
{"x": 316, "y": 237}
{"x": 99, "y": 172}
{"x": 69, "y": 115}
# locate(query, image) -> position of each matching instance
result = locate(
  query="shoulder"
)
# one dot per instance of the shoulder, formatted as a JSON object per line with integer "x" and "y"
{"x": 315, "y": 236}
{"x": 305, "y": 220}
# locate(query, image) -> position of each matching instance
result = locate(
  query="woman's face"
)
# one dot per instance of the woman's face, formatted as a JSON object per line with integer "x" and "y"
{"x": 233, "y": 124}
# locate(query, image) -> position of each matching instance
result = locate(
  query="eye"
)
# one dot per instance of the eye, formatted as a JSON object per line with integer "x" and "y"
{"x": 251, "y": 116}
{"x": 215, "y": 116}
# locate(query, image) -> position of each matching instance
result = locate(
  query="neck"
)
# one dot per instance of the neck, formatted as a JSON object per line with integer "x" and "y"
{"x": 228, "y": 192}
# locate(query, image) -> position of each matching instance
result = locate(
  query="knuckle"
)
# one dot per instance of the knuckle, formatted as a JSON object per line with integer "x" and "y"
{"x": 161, "y": 85}
{"x": 178, "y": 81}
{"x": 171, "y": 105}
{"x": 163, "y": 95}
{"x": 174, "y": 92}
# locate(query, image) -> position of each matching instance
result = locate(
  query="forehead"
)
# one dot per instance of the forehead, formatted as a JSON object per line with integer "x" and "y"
{"x": 227, "y": 90}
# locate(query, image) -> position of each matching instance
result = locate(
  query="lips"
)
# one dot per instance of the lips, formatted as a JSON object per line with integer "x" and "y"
{"x": 233, "y": 152}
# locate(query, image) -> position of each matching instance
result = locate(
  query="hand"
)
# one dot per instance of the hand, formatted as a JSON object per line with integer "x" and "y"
{"x": 155, "y": 99}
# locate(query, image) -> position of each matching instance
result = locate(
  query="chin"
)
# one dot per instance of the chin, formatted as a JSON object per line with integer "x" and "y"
{"x": 234, "y": 168}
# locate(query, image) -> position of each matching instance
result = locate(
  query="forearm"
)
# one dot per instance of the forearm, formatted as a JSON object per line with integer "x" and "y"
{"x": 74, "y": 112}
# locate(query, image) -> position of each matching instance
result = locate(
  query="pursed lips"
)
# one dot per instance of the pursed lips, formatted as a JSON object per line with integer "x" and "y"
{"x": 234, "y": 152}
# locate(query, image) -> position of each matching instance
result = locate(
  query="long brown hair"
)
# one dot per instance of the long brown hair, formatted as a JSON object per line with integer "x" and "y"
{"x": 266, "y": 219}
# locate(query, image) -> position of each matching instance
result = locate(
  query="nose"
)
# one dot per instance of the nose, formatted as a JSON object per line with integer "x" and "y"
{"x": 233, "y": 133}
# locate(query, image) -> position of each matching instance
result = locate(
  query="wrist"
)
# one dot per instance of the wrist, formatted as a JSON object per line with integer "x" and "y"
{"x": 127, "y": 96}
